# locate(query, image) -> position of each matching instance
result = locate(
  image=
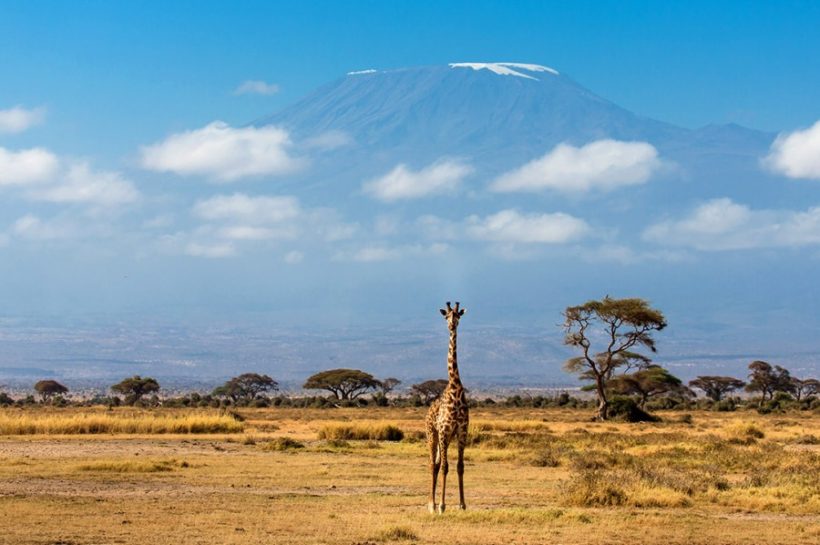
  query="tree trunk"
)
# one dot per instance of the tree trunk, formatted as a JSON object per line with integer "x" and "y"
{"x": 603, "y": 403}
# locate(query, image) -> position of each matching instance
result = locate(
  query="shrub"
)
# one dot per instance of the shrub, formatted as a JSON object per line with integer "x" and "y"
{"x": 625, "y": 408}
{"x": 545, "y": 458}
{"x": 383, "y": 432}
{"x": 282, "y": 444}
{"x": 592, "y": 488}
{"x": 397, "y": 533}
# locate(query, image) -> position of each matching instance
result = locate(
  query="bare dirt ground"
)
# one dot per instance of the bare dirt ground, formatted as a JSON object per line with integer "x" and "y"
{"x": 236, "y": 488}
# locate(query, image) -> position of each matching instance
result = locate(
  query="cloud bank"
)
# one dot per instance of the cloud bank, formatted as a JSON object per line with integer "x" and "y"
{"x": 26, "y": 167}
{"x": 722, "y": 224}
{"x": 600, "y": 165}
{"x": 223, "y": 153}
{"x": 515, "y": 227}
{"x": 256, "y": 87}
{"x": 401, "y": 183}
{"x": 797, "y": 154}
{"x": 19, "y": 119}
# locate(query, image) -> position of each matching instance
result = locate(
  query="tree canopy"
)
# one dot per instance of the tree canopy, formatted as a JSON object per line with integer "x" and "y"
{"x": 621, "y": 325}
{"x": 652, "y": 381}
{"x": 246, "y": 386}
{"x": 767, "y": 380}
{"x": 802, "y": 388}
{"x": 388, "y": 385}
{"x": 429, "y": 389}
{"x": 134, "y": 388}
{"x": 49, "y": 388}
{"x": 343, "y": 383}
{"x": 716, "y": 387}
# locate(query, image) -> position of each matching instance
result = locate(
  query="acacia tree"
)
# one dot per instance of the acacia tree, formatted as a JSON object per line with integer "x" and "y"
{"x": 48, "y": 389}
{"x": 388, "y": 385}
{"x": 246, "y": 386}
{"x": 767, "y": 380}
{"x": 617, "y": 325}
{"x": 716, "y": 387}
{"x": 645, "y": 383}
{"x": 343, "y": 383}
{"x": 429, "y": 389}
{"x": 803, "y": 388}
{"x": 135, "y": 387}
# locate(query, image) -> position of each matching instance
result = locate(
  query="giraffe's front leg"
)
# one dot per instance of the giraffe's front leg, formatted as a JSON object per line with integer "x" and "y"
{"x": 435, "y": 463}
{"x": 445, "y": 467}
{"x": 462, "y": 442}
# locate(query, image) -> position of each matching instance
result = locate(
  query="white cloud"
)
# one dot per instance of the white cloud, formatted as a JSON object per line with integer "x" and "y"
{"x": 247, "y": 210}
{"x": 797, "y": 154}
{"x": 83, "y": 185}
{"x": 29, "y": 166}
{"x": 722, "y": 224}
{"x": 293, "y": 257}
{"x": 256, "y": 87}
{"x": 512, "y": 226}
{"x": 603, "y": 164}
{"x": 251, "y": 232}
{"x": 369, "y": 254}
{"x": 443, "y": 176}
{"x": 329, "y": 140}
{"x": 223, "y": 153}
{"x": 33, "y": 228}
{"x": 214, "y": 251}
{"x": 19, "y": 119}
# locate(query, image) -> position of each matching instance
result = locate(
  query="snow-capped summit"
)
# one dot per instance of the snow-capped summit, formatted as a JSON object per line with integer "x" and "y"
{"x": 506, "y": 68}
{"x": 416, "y": 116}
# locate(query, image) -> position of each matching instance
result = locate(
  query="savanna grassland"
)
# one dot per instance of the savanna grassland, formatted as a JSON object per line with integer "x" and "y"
{"x": 94, "y": 476}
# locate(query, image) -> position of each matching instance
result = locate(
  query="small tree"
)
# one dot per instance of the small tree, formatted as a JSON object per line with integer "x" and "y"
{"x": 136, "y": 387}
{"x": 767, "y": 380}
{"x": 48, "y": 389}
{"x": 646, "y": 383}
{"x": 388, "y": 385}
{"x": 803, "y": 388}
{"x": 429, "y": 389}
{"x": 246, "y": 387}
{"x": 342, "y": 383}
{"x": 716, "y": 387}
{"x": 620, "y": 324}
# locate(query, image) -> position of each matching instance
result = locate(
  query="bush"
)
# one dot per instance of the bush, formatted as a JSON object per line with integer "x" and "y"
{"x": 626, "y": 409}
{"x": 397, "y": 533}
{"x": 283, "y": 444}
{"x": 385, "y": 432}
{"x": 592, "y": 488}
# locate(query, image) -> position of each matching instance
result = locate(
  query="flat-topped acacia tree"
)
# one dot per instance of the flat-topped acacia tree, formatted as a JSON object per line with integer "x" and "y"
{"x": 343, "y": 383}
{"x": 615, "y": 326}
{"x": 716, "y": 387}
{"x": 135, "y": 388}
{"x": 48, "y": 389}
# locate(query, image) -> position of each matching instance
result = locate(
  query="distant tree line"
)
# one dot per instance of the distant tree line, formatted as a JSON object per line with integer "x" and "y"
{"x": 607, "y": 334}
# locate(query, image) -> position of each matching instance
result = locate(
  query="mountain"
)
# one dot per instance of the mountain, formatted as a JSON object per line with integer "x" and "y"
{"x": 498, "y": 114}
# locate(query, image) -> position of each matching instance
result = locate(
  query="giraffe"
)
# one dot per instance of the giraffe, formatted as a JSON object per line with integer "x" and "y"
{"x": 447, "y": 418}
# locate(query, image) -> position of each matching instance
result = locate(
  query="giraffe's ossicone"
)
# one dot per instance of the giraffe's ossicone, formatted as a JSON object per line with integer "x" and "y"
{"x": 448, "y": 418}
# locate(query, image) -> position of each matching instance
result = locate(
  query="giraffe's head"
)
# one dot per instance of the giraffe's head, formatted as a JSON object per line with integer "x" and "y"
{"x": 452, "y": 315}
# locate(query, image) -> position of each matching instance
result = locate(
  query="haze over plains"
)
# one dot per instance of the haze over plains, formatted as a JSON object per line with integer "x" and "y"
{"x": 223, "y": 205}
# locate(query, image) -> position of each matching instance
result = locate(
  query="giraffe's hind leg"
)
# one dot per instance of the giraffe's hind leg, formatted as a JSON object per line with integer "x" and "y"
{"x": 435, "y": 464}
{"x": 462, "y": 442}
{"x": 443, "y": 443}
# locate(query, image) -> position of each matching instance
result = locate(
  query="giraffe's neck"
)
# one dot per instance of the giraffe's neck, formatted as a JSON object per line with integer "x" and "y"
{"x": 452, "y": 361}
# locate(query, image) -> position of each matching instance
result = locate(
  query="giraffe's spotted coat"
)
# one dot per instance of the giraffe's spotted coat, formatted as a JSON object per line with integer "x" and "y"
{"x": 448, "y": 418}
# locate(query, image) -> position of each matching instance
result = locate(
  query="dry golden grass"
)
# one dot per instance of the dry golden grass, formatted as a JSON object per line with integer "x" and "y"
{"x": 533, "y": 476}
{"x": 73, "y": 422}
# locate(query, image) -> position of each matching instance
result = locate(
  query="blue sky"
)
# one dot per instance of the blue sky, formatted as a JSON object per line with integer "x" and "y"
{"x": 155, "y": 67}
{"x": 100, "y": 81}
